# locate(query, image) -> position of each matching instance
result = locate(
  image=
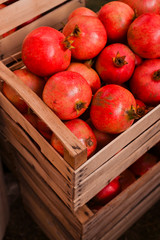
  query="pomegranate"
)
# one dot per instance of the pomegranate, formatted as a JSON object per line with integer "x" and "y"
{"x": 138, "y": 60}
{"x": 82, "y": 11}
{"x": 145, "y": 82}
{"x": 110, "y": 191}
{"x": 31, "y": 80}
{"x": 44, "y": 52}
{"x": 31, "y": 117}
{"x": 82, "y": 131}
{"x": 102, "y": 138}
{"x": 86, "y": 36}
{"x": 44, "y": 129}
{"x": 10, "y": 31}
{"x": 143, "y": 6}
{"x": 144, "y": 35}
{"x": 141, "y": 108}
{"x": 126, "y": 179}
{"x": 88, "y": 73}
{"x": 68, "y": 94}
{"x": 143, "y": 164}
{"x": 116, "y": 17}
{"x": 113, "y": 109}
{"x": 116, "y": 63}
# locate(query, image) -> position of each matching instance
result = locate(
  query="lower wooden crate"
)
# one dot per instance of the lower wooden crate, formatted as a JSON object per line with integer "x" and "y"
{"x": 110, "y": 222}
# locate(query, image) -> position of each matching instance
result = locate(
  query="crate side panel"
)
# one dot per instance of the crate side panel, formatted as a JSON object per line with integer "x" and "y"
{"x": 51, "y": 200}
{"x": 117, "y": 144}
{"x": 25, "y": 140}
{"x": 48, "y": 223}
{"x": 116, "y": 209}
{"x": 87, "y": 195}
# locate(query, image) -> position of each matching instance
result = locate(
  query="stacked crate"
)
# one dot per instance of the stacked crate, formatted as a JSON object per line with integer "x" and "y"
{"x": 56, "y": 190}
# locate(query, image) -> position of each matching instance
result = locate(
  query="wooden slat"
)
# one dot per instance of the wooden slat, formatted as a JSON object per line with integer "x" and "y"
{"x": 117, "y": 144}
{"x": 51, "y": 200}
{"x": 76, "y": 152}
{"x": 22, "y": 11}
{"x": 118, "y": 163}
{"x": 116, "y": 209}
{"x": 133, "y": 216}
{"x": 25, "y": 140}
{"x": 56, "y": 19}
{"x": 47, "y": 221}
{"x": 87, "y": 195}
{"x": 63, "y": 190}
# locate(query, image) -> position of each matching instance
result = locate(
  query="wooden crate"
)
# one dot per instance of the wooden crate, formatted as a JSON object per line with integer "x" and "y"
{"x": 110, "y": 222}
{"x": 74, "y": 178}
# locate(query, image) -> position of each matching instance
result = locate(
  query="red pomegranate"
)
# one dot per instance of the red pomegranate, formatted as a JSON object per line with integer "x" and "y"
{"x": 144, "y": 35}
{"x": 102, "y": 138}
{"x": 86, "y": 36}
{"x": 82, "y": 11}
{"x": 143, "y": 164}
{"x": 44, "y": 129}
{"x": 88, "y": 73}
{"x": 126, "y": 179}
{"x": 31, "y": 80}
{"x": 109, "y": 192}
{"x": 115, "y": 64}
{"x": 141, "y": 108}
{"x": 116, "y": 17}
{"x": 113, "y": 109}
{"x": 44, "y": 52}
{"x": 31, "y": 117}
{"x": 68, "y": 94}
{"x": 82, "y": 131}
{"x": 138, "y": 60}
{"x": 143, "y": 6}
{"x": 145, "y": 82}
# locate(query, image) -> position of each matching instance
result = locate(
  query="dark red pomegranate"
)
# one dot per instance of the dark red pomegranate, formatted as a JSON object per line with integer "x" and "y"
{"x": 143, "y": 164}
{"x": 115, "y": 64}
{"x": 113, "y": 109}
{"x": 126, "y": 179}
{"x": 145, "y": 82}
{"x": 31, "y": 117}
{"x": 110, "y": 191}
{"x": 143, "y": 6}
{"x": 31, "y": 80}
{"x": 88, "y": 73}
{"x": 44, "y": 52}
{"x": 68, "y": 94}
{"x": 116, "y": 17}
{"x": 82, "y": 131}
{"x": 86, "y": 36}
{"x": 82, "y": 11}
{"x": 44, "y": 129}
{"x": 144, "y": 35}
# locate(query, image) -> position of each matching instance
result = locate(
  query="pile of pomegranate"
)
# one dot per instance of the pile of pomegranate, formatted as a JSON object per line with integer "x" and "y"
{"x": 98, "y": 75}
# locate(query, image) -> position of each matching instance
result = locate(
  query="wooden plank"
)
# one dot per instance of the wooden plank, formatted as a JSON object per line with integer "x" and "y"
{"x": 63, "y": 195}
{"x": 56, "y": 19}
{"x": 25, "y": 10}
{"x": 87, "y": 195}
{"x": 117, "y": 144}
{"x": 118, "y": 162}
{"x": 133, "y": 216}
{"x": 25, "y": 140}
{"x": 50, "y": 200}
{"x": 76, "y": 152}
{"x": 47, "y": 221}
{"x": 116, "y": 209}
